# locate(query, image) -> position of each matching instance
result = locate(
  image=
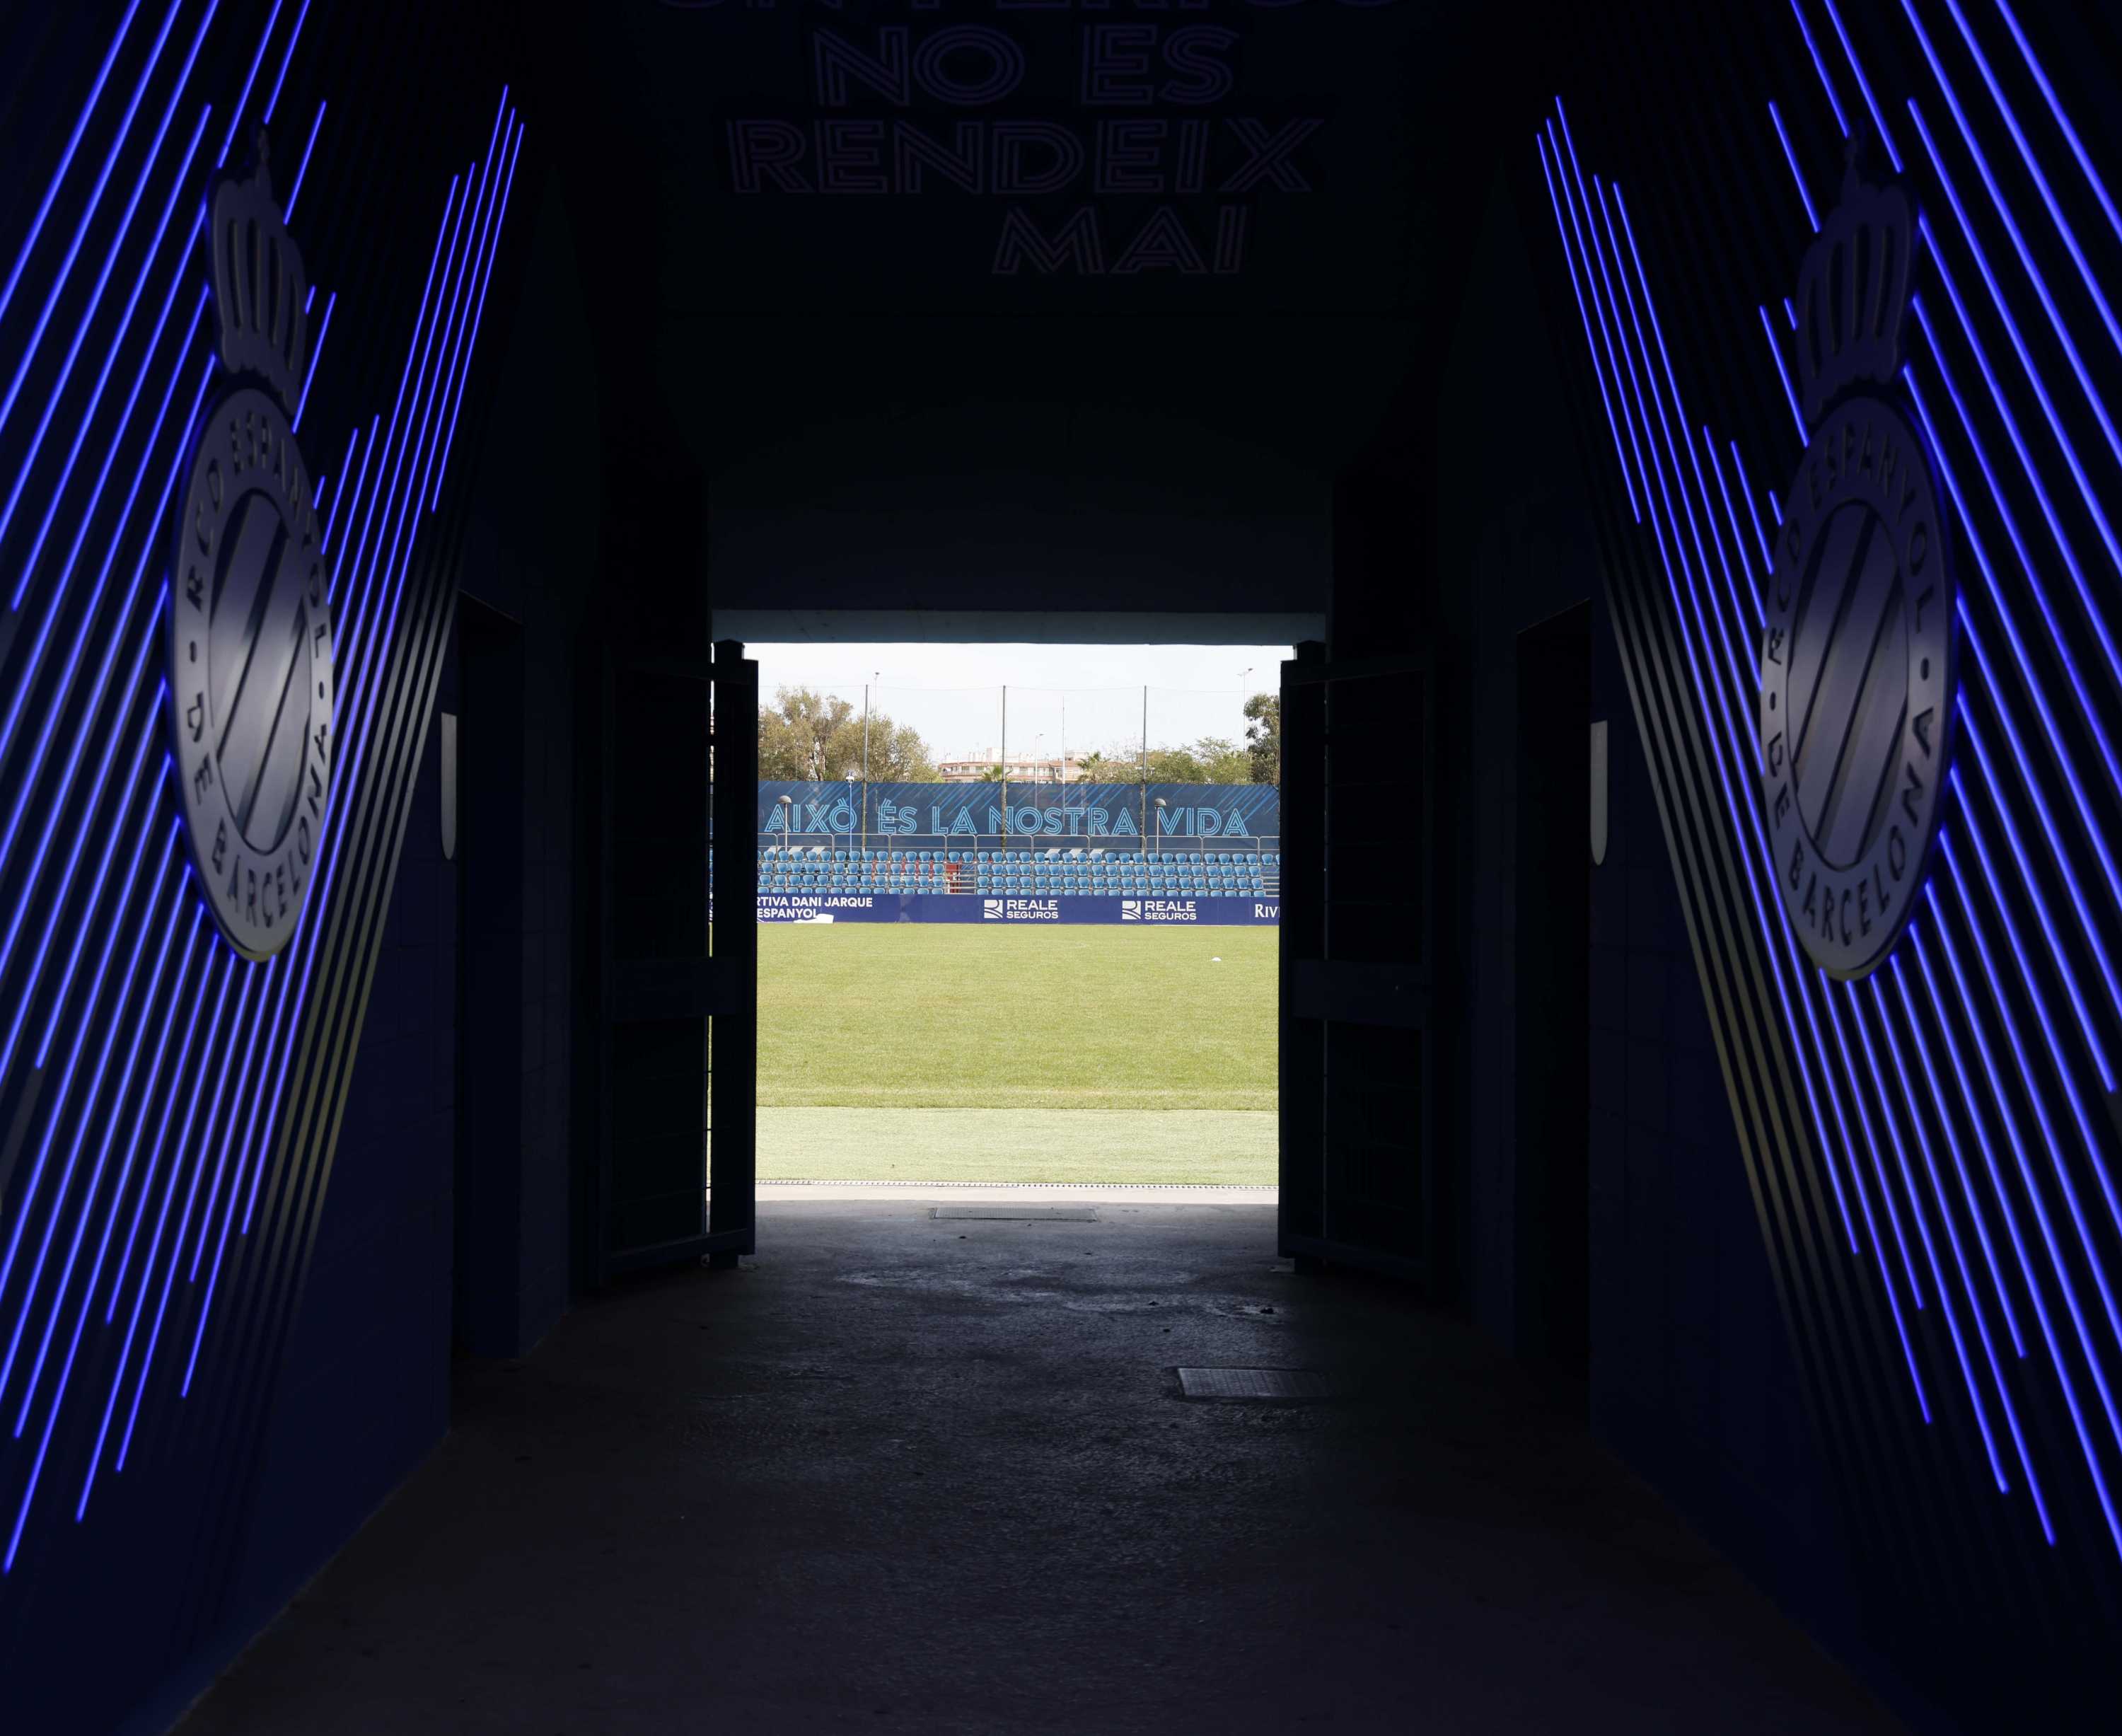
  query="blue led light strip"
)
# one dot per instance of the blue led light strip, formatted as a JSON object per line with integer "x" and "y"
{"x": 1790, "y": 156}
{"x": 197, "y": 1027}
{"x": 249, "y": 79}
{"x": 1884, "y": 1015}
{"x": 2057, "y": 323}
{"x": 1813, "y": 48}
{"x": 2089, "y": 710}
{"x": 103, "y": 1244}
{"x": 1782, "y": 373}
{"x": 1737, "y": 808}
{"x": 66, "y": 156}
{"x": 316, "y": 352}
{"x": 1820, "y": 1120}
{"x": 431, "y": 391}
{"x": 84, "y": 1121}
{"x": 478, "y": 318}
{"x": 83, "y": 418}
{"x": 2086, "y": 273}
{"x": 69, "y": 1072}
{"x": 277, "y": 967}
{"x": 2063, "y": 120}
{"x": 1968, "y": 909}
{"x": 1864, "y": 86}
{"x": 374, "y": 423}
{"x": 1768, "y": 560}
{"x": 301, "y": 172}
{"x": 294, "y": 36}
{"x": 1738, "y": 538}
{"x": 255, "y": 1152}
{"x": 2019, "y": 750}
{"x": 80, "y": 736}
{"x": 1543, "y": 143}
{"x": 2095, "y": 615}
{"x": 81, "y": 228}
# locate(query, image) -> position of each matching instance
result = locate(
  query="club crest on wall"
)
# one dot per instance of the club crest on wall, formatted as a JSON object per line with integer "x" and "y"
{"x": 249, "y": 629}
{"x": 1858, "y": 651}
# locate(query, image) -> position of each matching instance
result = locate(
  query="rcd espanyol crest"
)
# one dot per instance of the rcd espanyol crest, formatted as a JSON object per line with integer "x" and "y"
{"x": 1858, "y": 650}
{"x": 250, "y": 631}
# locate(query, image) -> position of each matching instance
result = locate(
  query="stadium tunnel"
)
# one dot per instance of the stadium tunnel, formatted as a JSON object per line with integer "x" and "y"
{"x": 1688, "y": 1302}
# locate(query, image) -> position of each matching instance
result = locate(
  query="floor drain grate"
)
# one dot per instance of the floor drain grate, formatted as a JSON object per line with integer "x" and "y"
{"x": 1258, "y": 1384}
{"x": 1064, "y": 1213}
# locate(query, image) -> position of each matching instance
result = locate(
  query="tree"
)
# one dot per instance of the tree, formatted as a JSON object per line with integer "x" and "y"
{"x": 1264, "y": 736}
{"x": 817, "y": 738}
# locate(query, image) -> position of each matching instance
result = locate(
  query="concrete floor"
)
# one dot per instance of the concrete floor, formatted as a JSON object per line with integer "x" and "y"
{"x": 937, "y": 1476}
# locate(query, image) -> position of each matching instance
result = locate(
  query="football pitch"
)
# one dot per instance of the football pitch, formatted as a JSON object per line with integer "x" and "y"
{"x": 922, "y": 1052}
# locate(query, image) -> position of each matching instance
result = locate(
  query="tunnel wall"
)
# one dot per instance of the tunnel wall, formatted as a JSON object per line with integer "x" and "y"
{"x": 1818, "y": 1207}
{"x": 227, "y": 1183}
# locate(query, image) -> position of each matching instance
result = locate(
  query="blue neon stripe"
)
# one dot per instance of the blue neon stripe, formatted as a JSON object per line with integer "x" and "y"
{"x": 434, "y": 393}
{"x": 1820, "y": 66}
{"x": 54, "y": 397}
{"x": 316, "y": 350}
{"x": 66, "y": 881}
{"x": 294, "y": 36}
{"x": 131, "y": 1147}
{"x": 1754, "y": 886}
{"x": 1738, "y": 536}
{"x": 66, "y": 156}
{"x": 425, "y": 393}
{"x": 1960, "y": 1261}
{"x": 122, "y": 1086}
{"x": 1679, "y": 413}
{"x": 353, "y": 493}
{"x": 449, "y": 211}
{"x": 2059, "y": 640}
{"x": 1753, "y": 512}
{"x": 2094, "y": 401}
{"x": 81, "y": 1320}
{"x": 478, "y": 318}
{"x": 80, "y": 736}
{"x": 1967, "y": 1189}
{"x": 196, "y": 1030}
{"x": 249, "y": 79}
{"x": 169, "y": 1279}
{"x": 1970, "y": 1005}
{"x": 1577, "y": 289}
{"x": 1864, "y": 85}
{"x": 2093, "y": 176}
{"x": 80, "y": 228}
{"x": 295, "y": 192}
{"x": 30, "y": 1187}
{"x": 1599, "y": 308}
{"x": 2062, "y": 756}
{"x": 83, "y": 418}
{"x": 1790, "y": 156}
{"x": 2085, "y": 271}
{"x": 1944, "y": 1290}
{"x": 1914, "y": 1374}
{"x": 1782, "y": 373}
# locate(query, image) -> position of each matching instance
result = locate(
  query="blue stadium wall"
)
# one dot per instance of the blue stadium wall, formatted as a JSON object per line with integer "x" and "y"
{"x": 226, "y": 1184}
{"x": 1902, "y": 1421}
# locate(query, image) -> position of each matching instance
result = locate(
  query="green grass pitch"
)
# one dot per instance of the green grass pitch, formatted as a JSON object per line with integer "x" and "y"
{"x": 994, "y": 1040}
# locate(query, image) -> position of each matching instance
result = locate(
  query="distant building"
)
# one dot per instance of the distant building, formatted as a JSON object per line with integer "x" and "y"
{"x": 1020, "y": 769}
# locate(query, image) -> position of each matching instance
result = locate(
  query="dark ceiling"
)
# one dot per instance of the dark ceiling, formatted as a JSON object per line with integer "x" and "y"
{"x": 877, "y": 375}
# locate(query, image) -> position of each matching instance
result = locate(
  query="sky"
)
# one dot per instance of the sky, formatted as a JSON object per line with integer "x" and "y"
{"x": 1084, "y": 696}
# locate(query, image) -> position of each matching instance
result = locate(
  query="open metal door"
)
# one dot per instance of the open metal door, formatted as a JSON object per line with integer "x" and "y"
{"x": 1356, "y": 1145}
{"x": 677, "y": 1037}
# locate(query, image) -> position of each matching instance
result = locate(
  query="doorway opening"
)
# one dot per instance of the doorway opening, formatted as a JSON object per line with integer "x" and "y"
{"x": 1017, "y": 909}
{"x": 1552, "y": 978}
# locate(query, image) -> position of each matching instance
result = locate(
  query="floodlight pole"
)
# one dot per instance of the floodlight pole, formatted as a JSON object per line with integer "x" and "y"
{"x": 1145, "y": 766}
{"x": 1005, "y": 765}
{"x": 865, "y": 799}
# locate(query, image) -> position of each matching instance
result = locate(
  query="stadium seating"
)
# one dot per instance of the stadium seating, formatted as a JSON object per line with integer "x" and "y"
{"x": 1031, "y": 873}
